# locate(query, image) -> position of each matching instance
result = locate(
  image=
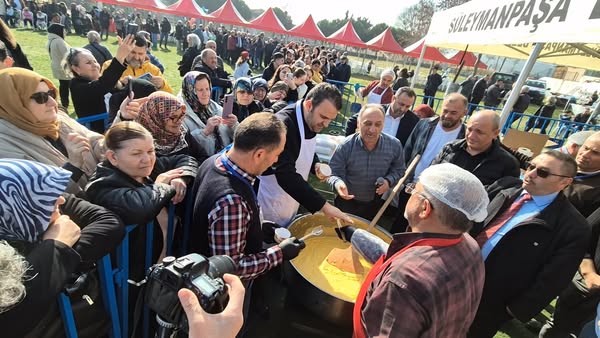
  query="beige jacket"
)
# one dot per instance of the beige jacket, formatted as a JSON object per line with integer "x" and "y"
{"x": 21, "y": 144}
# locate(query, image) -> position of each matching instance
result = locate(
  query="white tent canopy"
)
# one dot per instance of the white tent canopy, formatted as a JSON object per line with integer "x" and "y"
{"x": 570, "y": 29}
{"x": 564, "y": 32}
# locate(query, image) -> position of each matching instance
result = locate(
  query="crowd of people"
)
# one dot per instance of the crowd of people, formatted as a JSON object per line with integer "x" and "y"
{"x": 482, "y": 233}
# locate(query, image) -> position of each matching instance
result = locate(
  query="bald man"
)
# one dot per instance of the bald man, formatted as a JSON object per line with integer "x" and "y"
{"x": 480, "y": 152}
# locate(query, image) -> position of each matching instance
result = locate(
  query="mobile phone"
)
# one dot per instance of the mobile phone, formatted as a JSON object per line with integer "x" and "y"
{"x": 145, "y": 76}
{"x": 290, "y": 76}
{"x": 130, "y": 88}
{"x": 227, "y": 105}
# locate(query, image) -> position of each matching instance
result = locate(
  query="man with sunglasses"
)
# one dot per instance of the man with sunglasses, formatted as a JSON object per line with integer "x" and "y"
{"x": 577, "y": 303}
{"x": 532, "y": 243}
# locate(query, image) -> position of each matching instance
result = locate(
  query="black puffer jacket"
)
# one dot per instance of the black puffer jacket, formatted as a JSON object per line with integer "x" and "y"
{"x": 134, "y": 202}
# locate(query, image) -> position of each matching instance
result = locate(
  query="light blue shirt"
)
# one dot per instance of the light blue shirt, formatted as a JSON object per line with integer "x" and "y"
{"x": 529, "y": 210}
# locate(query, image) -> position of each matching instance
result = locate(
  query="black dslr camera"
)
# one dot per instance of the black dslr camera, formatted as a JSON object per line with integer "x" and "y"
{"x": 195, "y": 272}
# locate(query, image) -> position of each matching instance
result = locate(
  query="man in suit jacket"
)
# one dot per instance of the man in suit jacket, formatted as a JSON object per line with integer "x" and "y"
{"x": 399, "y": 120}
{"x": 532, "y": 243}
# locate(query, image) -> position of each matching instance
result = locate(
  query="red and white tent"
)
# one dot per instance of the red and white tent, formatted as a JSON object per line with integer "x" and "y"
{"x": 186, "y": 8}
{"x": 227, "y": 14}
{"x": 470, "y": 60}
{"x": 308, "y": 30}
{"x": 268, "y": 21}
{"x": 431, "y": 53}
{"x": 385, "y": 42}
{"x": 346, "y": 35}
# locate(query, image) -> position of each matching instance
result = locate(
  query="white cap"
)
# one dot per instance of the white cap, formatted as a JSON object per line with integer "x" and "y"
{"x": 457, "y": 188}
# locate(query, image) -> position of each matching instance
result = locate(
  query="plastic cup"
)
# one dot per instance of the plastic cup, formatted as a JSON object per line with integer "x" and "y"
{"x": 282, "y": 234}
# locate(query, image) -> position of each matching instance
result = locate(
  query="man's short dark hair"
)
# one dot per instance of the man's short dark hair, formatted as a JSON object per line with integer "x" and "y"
{"x": 406, "y": 90}
{"x": 568, "y": 167}
{"x": 140, "y": 40}
{"x": 325, "y": 91}
{"x": 259, "y": 130}
{"x": 278, "y": 55}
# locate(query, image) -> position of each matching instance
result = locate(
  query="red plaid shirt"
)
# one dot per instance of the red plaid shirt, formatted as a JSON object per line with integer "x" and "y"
{"x": 229, "y": 222}
{"x": 427, "y": 291}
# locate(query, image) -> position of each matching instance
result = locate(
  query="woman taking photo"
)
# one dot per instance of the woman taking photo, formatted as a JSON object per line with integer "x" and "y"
{"x": 286, "y": 74}
{"x": 88, "y": 87}
{"x": 59, "y": 235}
{"x": 137, "y": 185}
{"x": 204, "y": 119}
{"x": 32, "y": 127}
{"x": 162, "y": 115}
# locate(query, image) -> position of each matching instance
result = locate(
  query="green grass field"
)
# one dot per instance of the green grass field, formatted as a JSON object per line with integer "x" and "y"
{"x": 34, "y": 46}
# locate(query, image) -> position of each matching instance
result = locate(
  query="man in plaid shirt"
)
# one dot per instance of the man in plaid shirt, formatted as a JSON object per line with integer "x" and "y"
{"x": 226, "y": 212}
{"x": 430, "y": 281}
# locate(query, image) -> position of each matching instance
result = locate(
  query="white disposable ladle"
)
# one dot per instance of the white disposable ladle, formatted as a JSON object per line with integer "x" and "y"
{"x": 316, "y": 231}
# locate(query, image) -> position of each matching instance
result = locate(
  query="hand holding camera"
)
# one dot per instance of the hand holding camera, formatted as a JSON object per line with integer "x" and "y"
{"x": 225, "y": 324}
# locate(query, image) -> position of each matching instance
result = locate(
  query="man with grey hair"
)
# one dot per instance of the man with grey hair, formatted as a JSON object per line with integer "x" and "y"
{"x": 575, "y": 141}
{"x": 211, "y": 44}
{"x": 366, "y": 165}
{"x": 429, "y": 282}
{"x": 532, "y": 242}
{"x": 480, "y": 152}
{"x": 101, "y": 53}
{"x": 209, "y": 65}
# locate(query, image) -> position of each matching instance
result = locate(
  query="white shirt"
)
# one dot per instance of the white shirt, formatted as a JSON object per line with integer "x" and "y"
{"x": 391, "y": 124}
{"x": 437, "y": 141}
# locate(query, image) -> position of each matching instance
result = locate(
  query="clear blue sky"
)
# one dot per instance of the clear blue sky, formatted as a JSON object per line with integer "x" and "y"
{"x": 377, "y": 11}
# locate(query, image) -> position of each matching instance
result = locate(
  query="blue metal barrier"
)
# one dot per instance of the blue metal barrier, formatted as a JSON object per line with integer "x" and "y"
{"x": 558, "y": 130}
{"x": 87, "y": 121}
{"x": 348, "y": 99}
{"x": 107, "y": 288}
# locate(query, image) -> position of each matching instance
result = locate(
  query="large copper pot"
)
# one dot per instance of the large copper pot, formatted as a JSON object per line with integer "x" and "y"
{"x": 322, "y": 303}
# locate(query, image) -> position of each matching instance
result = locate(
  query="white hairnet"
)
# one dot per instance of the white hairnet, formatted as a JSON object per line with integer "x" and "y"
{"x": 457, "y": 188}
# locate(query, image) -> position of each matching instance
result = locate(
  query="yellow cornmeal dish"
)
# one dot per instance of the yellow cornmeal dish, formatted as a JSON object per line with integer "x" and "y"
{"x": 311, "y": 263}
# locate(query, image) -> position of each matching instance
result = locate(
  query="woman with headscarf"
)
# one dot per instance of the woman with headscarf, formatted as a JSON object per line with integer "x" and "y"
{"x": 244, "y": 104}
{"x": 137, "y": 184}
{"x": 379, "y": 91}
{"x": 58, "y": 49}
{"x": 163, "y": 116}
{"x": 59, "y": 235}
{"x": 204, "y": 118}
{"x": 32, "y": 127}
{"x": 88, "y": 87}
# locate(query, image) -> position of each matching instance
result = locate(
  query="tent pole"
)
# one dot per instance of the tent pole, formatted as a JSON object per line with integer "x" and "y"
{"x": 516, "y": 89}
{"x": 414, "y": 78}
{"x": 476, "y": 65}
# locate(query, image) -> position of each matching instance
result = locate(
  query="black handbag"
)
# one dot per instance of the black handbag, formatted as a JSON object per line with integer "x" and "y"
{"x": 90, "y": 315}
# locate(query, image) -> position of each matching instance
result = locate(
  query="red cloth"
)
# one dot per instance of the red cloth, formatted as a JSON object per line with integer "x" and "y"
{"x": 501, "y": 220}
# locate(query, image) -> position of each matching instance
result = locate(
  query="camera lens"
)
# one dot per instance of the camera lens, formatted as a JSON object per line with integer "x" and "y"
{"x": 220, "y": 265}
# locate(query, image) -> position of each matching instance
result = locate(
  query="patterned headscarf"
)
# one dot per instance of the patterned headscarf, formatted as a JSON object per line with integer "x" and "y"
{"x": 189, "y": 93}
{"x": 154, "y": 115}
{"x": 191, "y": 98}
{"x": 18, "y": 84}
{"x": 28, "y": 192}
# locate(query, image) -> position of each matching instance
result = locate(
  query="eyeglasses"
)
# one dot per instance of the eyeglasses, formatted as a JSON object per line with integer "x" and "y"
{"x": 410, "y": 189}
{"x": 543, "y": 173}
{"x": 43, "y": 97}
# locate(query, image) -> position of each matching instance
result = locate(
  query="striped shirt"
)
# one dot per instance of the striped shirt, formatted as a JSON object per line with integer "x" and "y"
{"x": 359, "y": 168}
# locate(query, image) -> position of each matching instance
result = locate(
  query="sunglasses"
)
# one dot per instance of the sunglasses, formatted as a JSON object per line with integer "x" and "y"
{"x": 244, "y": 92}
{"x": 43, "y": 97}
{"x": 543, "y": 173}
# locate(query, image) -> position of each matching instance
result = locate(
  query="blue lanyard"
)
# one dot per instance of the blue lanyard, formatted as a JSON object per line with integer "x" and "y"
{"x": 232, "y": 171}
